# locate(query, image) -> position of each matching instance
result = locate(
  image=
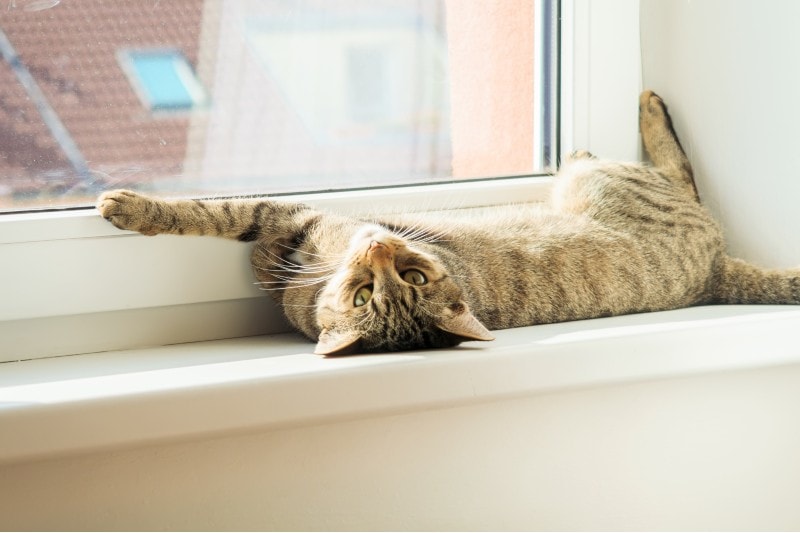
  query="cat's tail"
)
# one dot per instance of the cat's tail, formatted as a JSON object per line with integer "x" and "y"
{"x": 739, "y": 282}
{"x": 661, "y": 142}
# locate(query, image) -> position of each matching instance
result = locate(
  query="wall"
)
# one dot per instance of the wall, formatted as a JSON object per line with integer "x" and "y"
{"x": 729, "y": 73}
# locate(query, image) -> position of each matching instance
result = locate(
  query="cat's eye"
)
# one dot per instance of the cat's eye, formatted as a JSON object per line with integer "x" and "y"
{"x": 414, "y": 277}
{"x": 362, "y": 296}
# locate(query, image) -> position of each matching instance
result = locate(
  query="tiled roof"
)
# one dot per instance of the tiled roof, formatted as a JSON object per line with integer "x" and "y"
{"x": 71, "y": 50}
{"x": 276, "y": 119}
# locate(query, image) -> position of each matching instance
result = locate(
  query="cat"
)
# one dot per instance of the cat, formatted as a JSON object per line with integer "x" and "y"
{"x": 614, "y": 238}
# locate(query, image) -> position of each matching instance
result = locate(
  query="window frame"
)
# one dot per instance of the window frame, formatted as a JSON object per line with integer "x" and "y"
{"x": 74, "y": 284}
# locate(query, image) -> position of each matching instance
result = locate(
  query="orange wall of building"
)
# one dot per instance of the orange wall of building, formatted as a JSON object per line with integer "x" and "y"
{"x": 491, "y": 79}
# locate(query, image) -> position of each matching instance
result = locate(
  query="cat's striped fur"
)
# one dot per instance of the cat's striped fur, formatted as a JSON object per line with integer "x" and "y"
{"x": 615, "y": 238}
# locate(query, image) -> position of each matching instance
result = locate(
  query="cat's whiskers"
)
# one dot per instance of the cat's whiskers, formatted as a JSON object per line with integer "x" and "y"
{"x": 366, "y": 321}
{"x": 276, "y": 259}
{"x": 300, "y": 280}
{"x": 288, "y": 275}
{"x": 430, "y": 240}
{"x": 267, "y": 252}
{"x": 296, "y": 269}
{"x": 335, "y": 257}
{"x": 285, "y": 288}
{"x": 419, "y": 234}
{"x": 316, "y": 294}
{"x": 286, "y": 283}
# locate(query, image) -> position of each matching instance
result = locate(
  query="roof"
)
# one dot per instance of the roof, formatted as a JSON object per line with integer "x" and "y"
{"x": 72, "y": 51}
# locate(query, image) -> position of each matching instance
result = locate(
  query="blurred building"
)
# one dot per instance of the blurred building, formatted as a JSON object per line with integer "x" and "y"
{"x": 75, "y": 52}
{"x": 219, "y": 96}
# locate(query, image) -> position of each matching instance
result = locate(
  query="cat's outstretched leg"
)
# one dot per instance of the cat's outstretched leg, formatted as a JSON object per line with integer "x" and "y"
{"x": 244, "y": 220}
{"x": 739, "y": 282}
{"x": 661, "y": 142}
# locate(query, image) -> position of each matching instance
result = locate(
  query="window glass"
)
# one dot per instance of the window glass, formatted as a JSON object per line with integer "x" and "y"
{"x": 232, "y": 97}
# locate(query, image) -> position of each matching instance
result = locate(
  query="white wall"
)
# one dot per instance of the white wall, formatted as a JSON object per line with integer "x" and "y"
{"x": 730, "y": 73}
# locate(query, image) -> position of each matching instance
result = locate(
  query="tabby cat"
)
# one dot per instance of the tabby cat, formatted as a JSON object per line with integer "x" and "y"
{"x": 615, "y": 238}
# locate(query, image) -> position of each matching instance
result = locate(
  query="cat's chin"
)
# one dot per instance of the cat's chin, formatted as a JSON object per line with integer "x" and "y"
{"x": 451, "y": 332}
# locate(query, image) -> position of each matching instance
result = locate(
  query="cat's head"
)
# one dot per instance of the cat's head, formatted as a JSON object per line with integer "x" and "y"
{"x": 388, "y": 295}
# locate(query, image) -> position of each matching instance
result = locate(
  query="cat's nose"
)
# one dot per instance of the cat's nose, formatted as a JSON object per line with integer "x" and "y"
{"x": 378, "y": 252}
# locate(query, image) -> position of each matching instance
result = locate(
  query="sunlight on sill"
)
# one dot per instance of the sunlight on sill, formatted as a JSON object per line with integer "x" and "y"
{"x": 196, "y": 376}
{"x": 756, "y": 316}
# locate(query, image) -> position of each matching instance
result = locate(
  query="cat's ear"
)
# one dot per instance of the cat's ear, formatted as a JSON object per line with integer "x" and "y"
{"x": 460, "y": 321}
{"x": 337, "y": 343}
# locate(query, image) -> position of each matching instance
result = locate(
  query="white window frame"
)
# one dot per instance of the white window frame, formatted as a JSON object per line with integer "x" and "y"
{"x": 70, "y": 283}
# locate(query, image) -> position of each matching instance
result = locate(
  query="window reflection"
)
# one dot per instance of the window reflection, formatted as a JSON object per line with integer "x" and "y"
{"x": 213, "y": 96}
{"x": 232, "y": 97}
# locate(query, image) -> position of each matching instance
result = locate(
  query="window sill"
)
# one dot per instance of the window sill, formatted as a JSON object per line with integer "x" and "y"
{"x": 51, "y": 407}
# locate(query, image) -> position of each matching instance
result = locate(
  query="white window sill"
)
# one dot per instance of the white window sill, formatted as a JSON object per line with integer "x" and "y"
{"x": 56, "y": 406}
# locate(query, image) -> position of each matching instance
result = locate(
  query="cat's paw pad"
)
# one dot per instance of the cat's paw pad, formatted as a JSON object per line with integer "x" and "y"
{"x": 125, "y": 209}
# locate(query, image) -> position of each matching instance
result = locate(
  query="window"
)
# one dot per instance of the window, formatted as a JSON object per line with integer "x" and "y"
{"x": 163, "y": 79}
{"x": 213, "y": 97}
{"x": 71, "y": 283}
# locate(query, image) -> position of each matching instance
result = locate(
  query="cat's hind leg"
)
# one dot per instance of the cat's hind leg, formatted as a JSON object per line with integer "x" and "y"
{"x": 661, "y": 142}
{"x": 579, "y": 154}
{"x": 739, "y": 282}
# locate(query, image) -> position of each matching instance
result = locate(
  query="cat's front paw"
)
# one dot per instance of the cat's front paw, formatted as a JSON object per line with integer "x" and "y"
{"x": 126, "y": 210}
